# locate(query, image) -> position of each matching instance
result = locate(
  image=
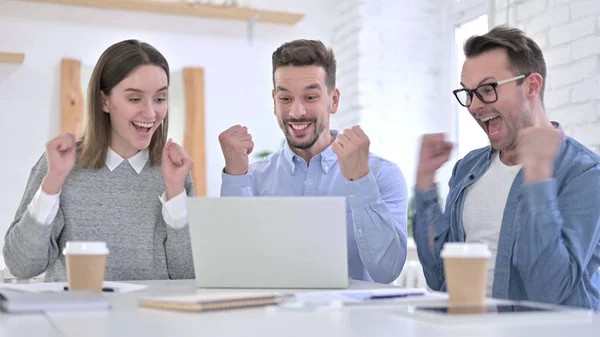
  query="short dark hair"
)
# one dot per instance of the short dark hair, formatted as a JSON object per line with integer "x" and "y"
{"x": 524, "y": 55}
{"x": 302, "y": 52}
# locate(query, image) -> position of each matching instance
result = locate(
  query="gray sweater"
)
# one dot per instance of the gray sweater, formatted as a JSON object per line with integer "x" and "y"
{"x": 120, "y": 207}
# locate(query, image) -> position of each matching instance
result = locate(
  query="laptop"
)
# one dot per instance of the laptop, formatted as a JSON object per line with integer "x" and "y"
{"x": 269, "y": 242}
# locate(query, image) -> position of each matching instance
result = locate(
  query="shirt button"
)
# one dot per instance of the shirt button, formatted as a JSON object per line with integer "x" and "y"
{"x": 352, "y": 195}
{"x": 248, "y": 188}
{"x": 360, "y": 231}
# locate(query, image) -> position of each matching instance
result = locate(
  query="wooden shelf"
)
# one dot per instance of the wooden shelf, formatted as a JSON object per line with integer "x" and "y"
{"x": 15, "y": 58}
{"x": 187, "y": 9}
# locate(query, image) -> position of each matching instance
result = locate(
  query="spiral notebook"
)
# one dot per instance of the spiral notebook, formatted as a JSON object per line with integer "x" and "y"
{"x": 211, "y": 301}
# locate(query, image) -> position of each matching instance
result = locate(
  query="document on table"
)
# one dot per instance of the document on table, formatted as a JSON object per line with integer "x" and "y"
{"x": 365, "y": 296}
{"x": 118, "y": 287}
{"x": 17, "y": 301}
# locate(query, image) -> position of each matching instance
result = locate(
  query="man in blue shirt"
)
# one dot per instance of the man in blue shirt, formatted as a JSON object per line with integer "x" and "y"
{"x": 317, "y": 161}
{"x": 533, "y": 195}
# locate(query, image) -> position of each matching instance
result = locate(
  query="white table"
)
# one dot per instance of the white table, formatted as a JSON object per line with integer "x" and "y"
{"x": 17, "y": 326}
{"x": 127, "y": 319}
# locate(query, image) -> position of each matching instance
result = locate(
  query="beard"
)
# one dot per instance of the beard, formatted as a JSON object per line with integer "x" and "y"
{"x": 306, "y": 141}
{"x": 514, "y": 127}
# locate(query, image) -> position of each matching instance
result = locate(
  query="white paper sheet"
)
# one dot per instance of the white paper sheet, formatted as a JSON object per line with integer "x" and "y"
{"x": 363, "y": 296}
{"x": 119, "y": 287}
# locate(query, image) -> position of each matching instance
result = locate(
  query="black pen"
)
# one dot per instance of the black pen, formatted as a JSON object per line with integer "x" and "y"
{"x": 110, "y": 290}
{"x": 381, "y": 297}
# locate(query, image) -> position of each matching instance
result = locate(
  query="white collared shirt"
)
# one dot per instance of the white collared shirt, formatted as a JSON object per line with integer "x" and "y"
{"x": 138, "y": 161}
{"x": 44, "y": 207}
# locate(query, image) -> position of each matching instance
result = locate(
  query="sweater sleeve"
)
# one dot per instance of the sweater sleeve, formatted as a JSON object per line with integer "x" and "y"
{"x": 30, "y": 246}
{"x": 178, "y": 246}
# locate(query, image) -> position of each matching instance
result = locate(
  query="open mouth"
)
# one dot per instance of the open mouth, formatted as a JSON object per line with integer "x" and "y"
{"x": 299, "y": 129}
{"x": 492, "y": 124}
{"x": 142, "y": 128}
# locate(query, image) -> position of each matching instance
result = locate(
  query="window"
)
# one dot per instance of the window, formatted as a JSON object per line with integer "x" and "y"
{"x": 470, "y": 136}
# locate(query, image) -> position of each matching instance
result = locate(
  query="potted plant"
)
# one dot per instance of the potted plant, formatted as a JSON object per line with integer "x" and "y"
{"x": 265, "y": 153}
{"x": 411, "y": 217}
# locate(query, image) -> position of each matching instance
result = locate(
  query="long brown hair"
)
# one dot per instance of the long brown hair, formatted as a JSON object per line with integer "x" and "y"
{"x": 114, "y": 65}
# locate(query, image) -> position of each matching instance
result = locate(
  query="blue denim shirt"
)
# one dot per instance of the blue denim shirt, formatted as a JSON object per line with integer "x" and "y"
{"x": 376, "y": 204}
{"x": 549, "y": 244}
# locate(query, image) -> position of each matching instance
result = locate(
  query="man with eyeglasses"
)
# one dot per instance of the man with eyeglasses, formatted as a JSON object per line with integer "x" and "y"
{"x": 533, "y": 195}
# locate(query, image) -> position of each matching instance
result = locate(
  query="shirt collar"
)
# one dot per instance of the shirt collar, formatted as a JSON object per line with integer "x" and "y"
{"x": 328, "y": 158}
{"x": 138, "y": 161}
{"x": 289, "y": 157}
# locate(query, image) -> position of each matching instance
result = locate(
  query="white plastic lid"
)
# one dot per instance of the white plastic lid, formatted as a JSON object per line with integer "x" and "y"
{"x": 85, "y": 248}
{"x": 466, "y": 250}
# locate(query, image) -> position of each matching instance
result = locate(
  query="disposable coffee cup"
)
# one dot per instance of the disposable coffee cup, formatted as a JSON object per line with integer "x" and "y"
{"x": 86, "y": 263}
{"x": 466, "y": 271}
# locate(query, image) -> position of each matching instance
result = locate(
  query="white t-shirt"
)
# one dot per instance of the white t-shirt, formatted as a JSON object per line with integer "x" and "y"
{"x": 484, "y": 208}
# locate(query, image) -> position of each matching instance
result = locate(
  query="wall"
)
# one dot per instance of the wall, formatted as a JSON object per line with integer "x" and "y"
{"x": 237, "y": 90}
{"x": 394, "y": 72}
{"x": 568, "y": 31}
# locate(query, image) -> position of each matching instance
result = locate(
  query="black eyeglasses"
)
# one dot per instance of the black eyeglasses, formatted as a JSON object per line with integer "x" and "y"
{"x": 486, "y": 92}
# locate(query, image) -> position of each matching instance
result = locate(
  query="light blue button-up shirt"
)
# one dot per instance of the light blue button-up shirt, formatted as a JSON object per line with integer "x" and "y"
{"x": 376, "y": 204}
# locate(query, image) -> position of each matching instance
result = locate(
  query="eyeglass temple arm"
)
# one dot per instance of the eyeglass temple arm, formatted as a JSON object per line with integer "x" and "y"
{"x": 511, "y": 79}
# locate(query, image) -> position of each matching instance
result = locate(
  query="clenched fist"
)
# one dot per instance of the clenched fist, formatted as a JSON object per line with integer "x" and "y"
{"x": 435, "y": 151}
{"x": 236, "y": 144}
{"x": 537, "y": 148}
{"x": 61, "y": 156}
{"x": 352, "y": 150}
{"x": 176, "y": 166}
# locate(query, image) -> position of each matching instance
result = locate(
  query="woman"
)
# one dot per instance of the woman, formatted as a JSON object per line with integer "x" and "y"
{"x": 122, "y": 183}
